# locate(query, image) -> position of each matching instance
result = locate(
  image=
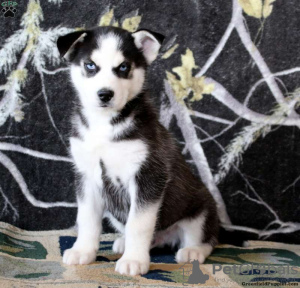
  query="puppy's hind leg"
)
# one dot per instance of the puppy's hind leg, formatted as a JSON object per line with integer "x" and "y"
{"x": 198, "y": 238}
{"x": 119, "y": 245}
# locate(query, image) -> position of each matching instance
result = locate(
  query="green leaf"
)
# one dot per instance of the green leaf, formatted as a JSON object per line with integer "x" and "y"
{"x": 21, "y": 248}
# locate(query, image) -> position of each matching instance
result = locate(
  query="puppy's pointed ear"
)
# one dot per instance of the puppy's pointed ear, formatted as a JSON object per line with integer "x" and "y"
{"x": 148, "y": 42}
{"x": 66, "y": 44}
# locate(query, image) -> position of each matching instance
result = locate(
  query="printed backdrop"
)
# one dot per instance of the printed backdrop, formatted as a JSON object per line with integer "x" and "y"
{"x": 225, "y": 83}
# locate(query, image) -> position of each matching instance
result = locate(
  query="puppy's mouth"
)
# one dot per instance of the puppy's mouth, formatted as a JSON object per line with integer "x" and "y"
{"x": 105, "y": 104}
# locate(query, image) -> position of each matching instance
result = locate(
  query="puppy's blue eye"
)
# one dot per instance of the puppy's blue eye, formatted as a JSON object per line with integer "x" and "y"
{"x": 90, "y": 67}
{"x": 124, "y": 67}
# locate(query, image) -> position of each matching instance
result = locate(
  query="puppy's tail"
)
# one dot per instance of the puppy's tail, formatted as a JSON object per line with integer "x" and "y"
{"x": 235, "y": 237}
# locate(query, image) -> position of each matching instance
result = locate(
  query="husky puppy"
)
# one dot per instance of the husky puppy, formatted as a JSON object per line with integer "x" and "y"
{"x": 128, "y": 166}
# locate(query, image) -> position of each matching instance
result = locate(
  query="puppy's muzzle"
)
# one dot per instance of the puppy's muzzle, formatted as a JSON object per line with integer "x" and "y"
{"x": 105, "y": 95}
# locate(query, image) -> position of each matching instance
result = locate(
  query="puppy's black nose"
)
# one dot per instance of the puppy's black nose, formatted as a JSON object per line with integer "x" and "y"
{"x": 105, "y": 95}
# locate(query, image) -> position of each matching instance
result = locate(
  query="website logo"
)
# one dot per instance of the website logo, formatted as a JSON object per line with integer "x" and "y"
{"x": 9, "y": 8}
{"x": 194, "y": 275}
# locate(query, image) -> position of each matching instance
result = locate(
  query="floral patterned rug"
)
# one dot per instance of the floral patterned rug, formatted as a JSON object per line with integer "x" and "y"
{"x": 226, "y": 84}
{"x": 33, "y": 259}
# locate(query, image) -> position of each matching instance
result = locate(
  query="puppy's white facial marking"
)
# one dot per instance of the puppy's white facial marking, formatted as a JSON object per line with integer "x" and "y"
{"x": 108, "y": 54}
{"x": 107, "y": 58}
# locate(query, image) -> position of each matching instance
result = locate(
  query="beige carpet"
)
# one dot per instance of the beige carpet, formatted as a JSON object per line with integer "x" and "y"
{"x": 33, "y": 259}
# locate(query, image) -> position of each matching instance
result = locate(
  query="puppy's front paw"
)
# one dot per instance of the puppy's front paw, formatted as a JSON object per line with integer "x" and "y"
{"x": 79, "y": 256}
{"x": 189, "y": 254}
{"x": 132, "y": 267}
{"x": 119, "y": 245}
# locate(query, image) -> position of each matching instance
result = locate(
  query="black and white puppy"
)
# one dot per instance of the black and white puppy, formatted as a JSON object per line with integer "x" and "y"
{"x": 128, "y": 166}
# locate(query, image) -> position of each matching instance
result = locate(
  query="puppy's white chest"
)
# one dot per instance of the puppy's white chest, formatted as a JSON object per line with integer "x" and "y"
{"x": 121, "y": 159}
